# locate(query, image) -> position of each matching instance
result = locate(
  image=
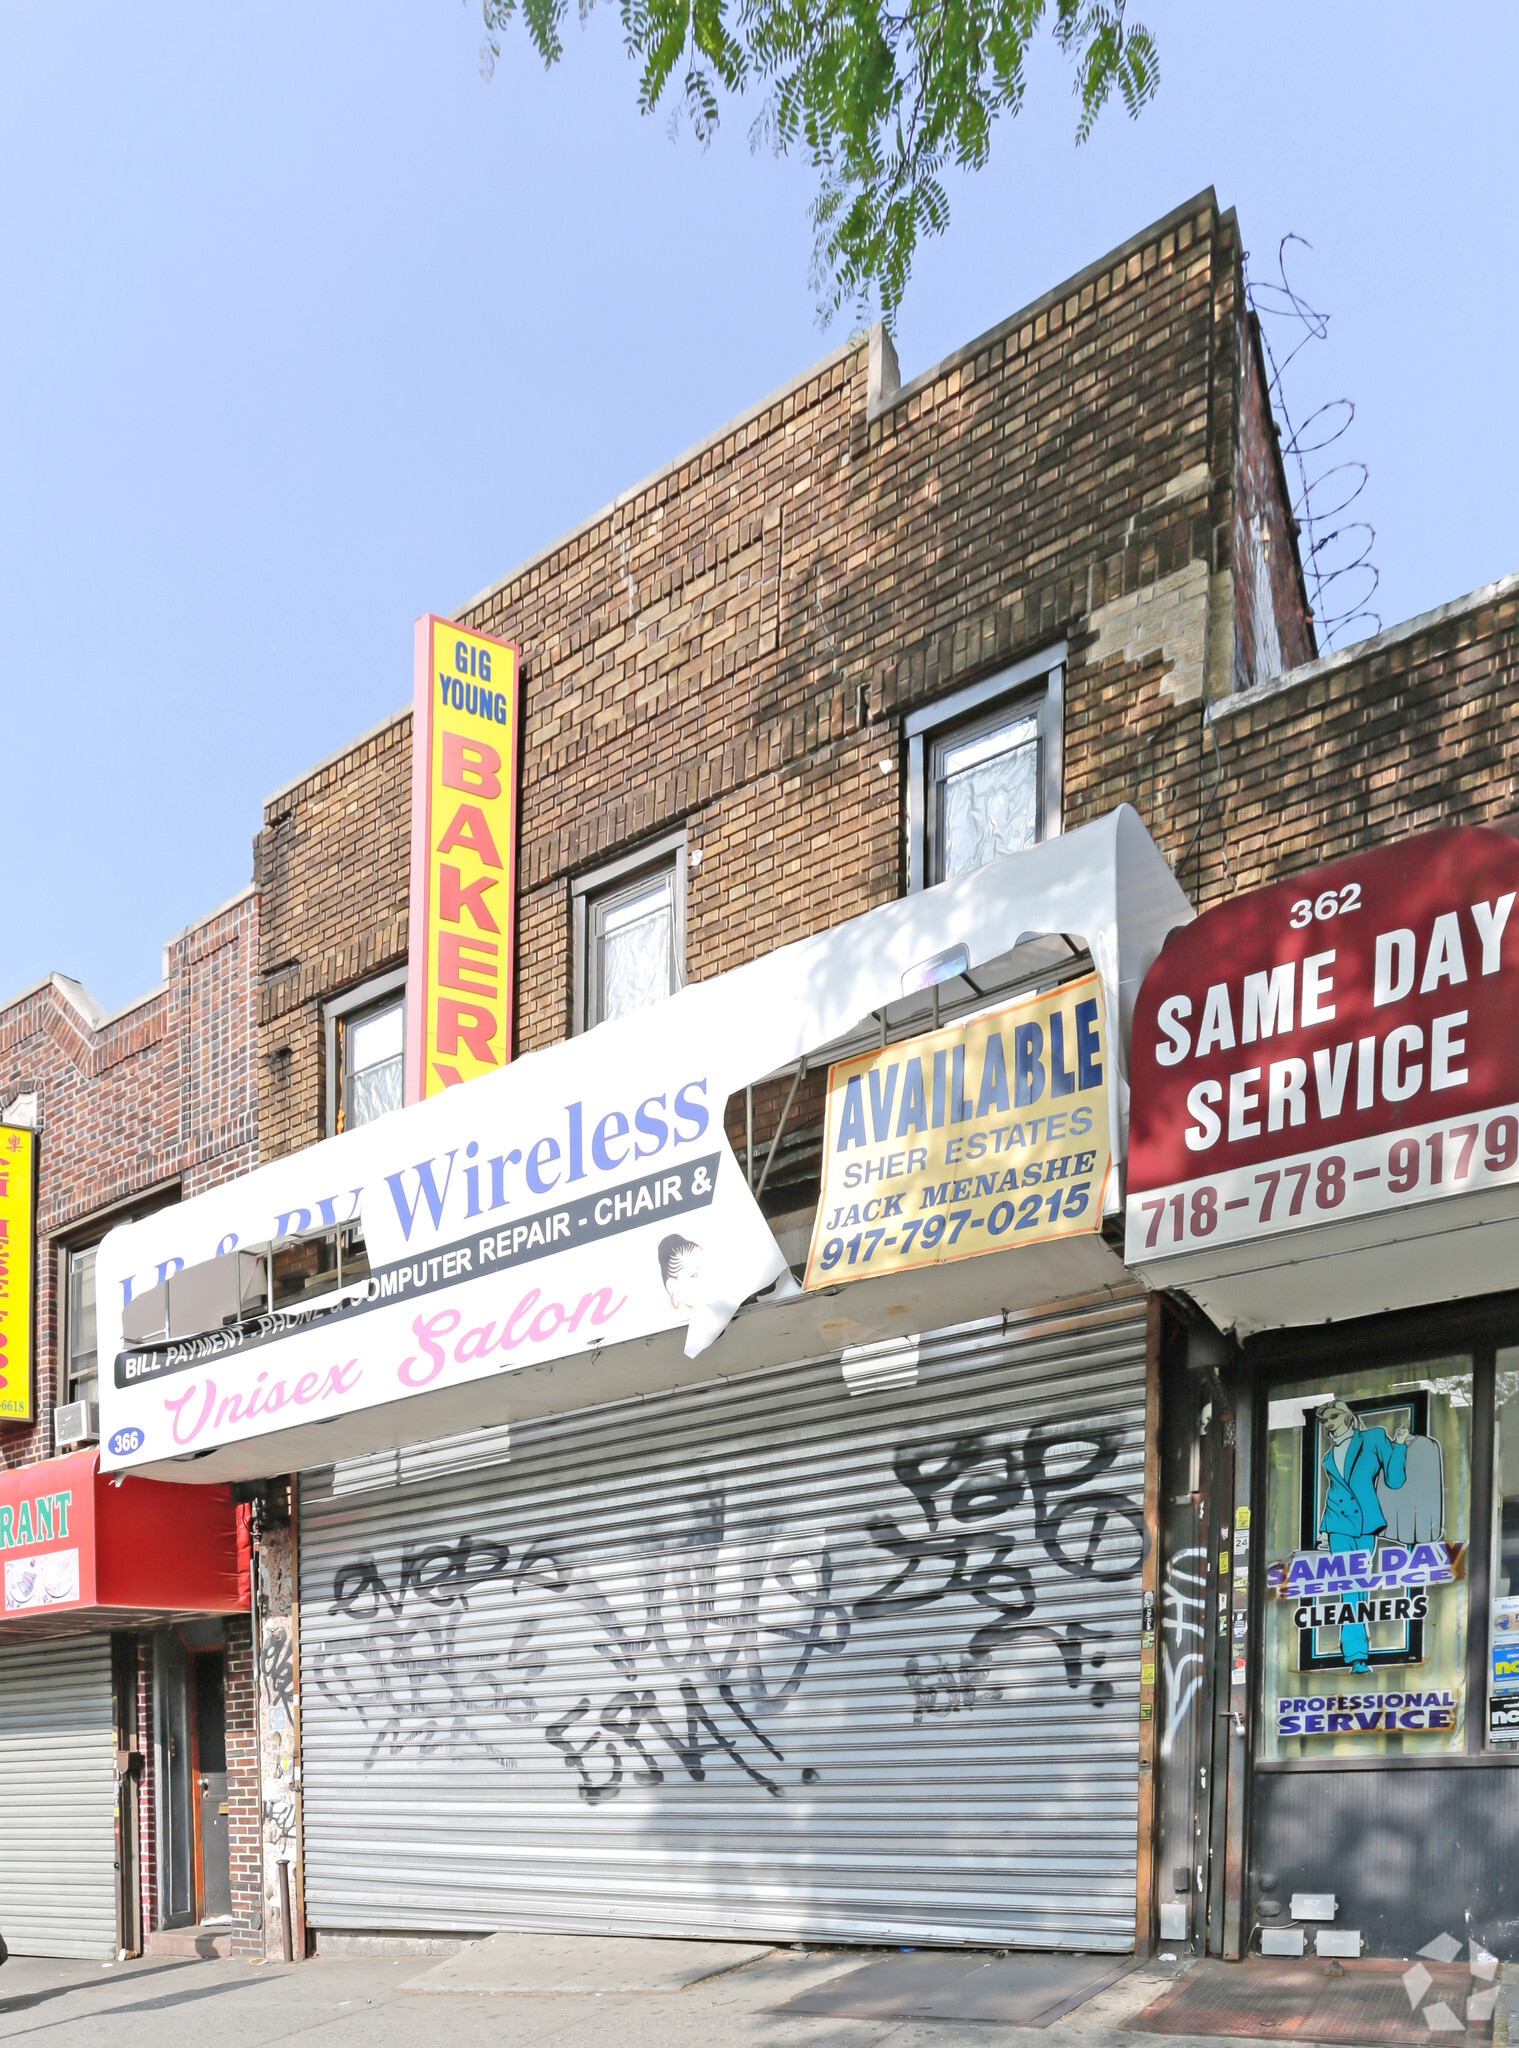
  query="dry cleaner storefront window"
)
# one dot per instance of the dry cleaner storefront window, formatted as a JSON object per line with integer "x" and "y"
{"x": 1503, "y": 1697}
{"x": 1368, "y": 1523}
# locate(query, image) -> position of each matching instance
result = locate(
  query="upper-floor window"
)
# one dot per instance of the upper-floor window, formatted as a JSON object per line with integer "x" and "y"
{"x": 630, "y": 933}
{"x": 78, "y": 1372}
{"x": 79, "y": 1327}
{"x": 366, "y": 1052}
{"x": 984, "y": 771}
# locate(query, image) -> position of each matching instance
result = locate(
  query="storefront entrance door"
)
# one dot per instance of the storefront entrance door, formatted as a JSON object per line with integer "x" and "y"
{"x": 1196, "y": 1651}
{"x": 1218, "y": 1459}
{"x": 211, "y": 1784}
{"x": 197, "y": 1883}
{"x": 128, "y": 1777}
{"x": 176, "y": 1819}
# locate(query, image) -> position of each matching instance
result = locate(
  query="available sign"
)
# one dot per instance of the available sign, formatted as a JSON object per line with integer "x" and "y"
{"x": 1330, "y": 1047}
{"x": 18, "y": 1180}
{"x": 991, "y": 1133}
{"x": 460, "y": 979}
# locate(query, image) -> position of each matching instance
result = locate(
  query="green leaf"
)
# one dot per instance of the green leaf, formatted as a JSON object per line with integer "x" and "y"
{"x": 883, "y": 95}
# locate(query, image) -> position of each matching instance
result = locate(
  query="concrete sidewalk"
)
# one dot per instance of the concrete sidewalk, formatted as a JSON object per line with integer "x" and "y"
{"x": 573, "y": 1992}
{"x": 517, "y": 1990}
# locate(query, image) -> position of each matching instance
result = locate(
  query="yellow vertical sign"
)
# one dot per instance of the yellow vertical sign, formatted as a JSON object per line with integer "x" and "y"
{"x": 18, "y": 1258}
{"x": 461, "y": 975}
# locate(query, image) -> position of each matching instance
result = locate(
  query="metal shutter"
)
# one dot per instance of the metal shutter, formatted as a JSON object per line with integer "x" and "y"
{"x": 57, "y": 1799}
{"x": 758, "y": 1658}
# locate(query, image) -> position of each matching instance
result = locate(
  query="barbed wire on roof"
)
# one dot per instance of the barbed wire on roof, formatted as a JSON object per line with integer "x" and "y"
{"x": 1336, "y": 549}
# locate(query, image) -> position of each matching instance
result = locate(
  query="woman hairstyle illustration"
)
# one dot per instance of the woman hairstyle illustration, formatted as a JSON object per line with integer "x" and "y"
{"x": 680, "y": 1267}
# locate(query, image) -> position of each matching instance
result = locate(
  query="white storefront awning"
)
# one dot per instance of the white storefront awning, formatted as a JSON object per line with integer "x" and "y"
{"x": 531, "y": 1203}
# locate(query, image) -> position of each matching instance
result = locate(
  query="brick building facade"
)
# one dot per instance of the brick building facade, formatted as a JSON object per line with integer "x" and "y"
{"x": 734, "y": 646}
{"x": 749, "y": 659}
{"x": 149, "y": 1103}
{"x": 135, "y": 1109}
{"x": 1408, "y": 730}
{"x": 746, "y": 654}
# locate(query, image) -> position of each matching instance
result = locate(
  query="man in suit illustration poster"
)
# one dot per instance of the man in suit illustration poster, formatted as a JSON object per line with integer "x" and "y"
{"x": 1351, "y": 1517}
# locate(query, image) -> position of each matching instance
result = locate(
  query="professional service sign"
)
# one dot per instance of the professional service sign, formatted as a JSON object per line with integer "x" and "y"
{"x": 1337, "y": 1046}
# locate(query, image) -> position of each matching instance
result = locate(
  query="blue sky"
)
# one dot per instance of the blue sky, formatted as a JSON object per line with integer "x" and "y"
{"x": 309, "y": 329}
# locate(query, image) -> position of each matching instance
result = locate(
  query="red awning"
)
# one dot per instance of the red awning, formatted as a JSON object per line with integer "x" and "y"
{"x": 81, "y": 1552}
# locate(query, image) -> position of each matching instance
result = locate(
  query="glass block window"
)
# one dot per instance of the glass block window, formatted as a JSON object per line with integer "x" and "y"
{"x": 372, "y": 1045}
{"x": 984, "y": 770}
{"x": 629, "y": 932}
{"x": 988, "y": 794}
{"x": 634, "y": 946}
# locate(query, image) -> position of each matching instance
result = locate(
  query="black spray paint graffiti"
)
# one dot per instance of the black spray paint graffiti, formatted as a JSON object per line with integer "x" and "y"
{"x": 276, "y": 1667}
{"x": 735, "y": 1670}
{"x": 939, "y": 1687}
{"x": 694, "y": 1683}
{"x": 279, "y": 1820}
{"x": 1185, "y": 1597}
{"x": 442, "y": 1574}
{"x": 406, "y": 1677}
{"x": 981, "y": 1503}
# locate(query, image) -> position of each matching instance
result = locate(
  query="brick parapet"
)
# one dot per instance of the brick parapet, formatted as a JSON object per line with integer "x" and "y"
{"x": 158, "y": 1096}
{"x": 733, "y": 644}
{"x": 1414, "y": 728}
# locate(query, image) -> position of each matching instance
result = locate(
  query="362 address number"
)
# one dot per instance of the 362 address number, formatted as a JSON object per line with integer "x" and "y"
{"x": 1332, "y": 903}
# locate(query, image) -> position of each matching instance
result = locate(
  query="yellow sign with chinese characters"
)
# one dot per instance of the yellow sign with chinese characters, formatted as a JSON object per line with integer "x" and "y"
{"x": 18, "y": 1181}
{"x": 990, "y": 1133}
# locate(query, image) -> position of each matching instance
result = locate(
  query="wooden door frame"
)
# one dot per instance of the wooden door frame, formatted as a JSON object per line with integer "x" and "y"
{"x": 192, "y": 1702}
{"x": 196, "y": 1658}
{"x": 125, "y": 1710}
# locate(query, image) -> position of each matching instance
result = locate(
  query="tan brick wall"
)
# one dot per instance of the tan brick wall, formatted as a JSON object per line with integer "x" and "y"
{"x": 331, "y": 867}
{"x": 1417, "y": 728}
{"x": 733, "y": 645}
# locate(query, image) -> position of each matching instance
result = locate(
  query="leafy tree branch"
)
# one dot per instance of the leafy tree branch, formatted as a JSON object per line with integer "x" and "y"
{"x": 884, "y": 96}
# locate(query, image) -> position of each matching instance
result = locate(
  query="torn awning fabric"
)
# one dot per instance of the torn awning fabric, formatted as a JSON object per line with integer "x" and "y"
{"x": 580, "y": 1201}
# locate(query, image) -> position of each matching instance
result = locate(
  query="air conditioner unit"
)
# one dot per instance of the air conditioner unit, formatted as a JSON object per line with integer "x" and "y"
{"x": 78, "y": 1423}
